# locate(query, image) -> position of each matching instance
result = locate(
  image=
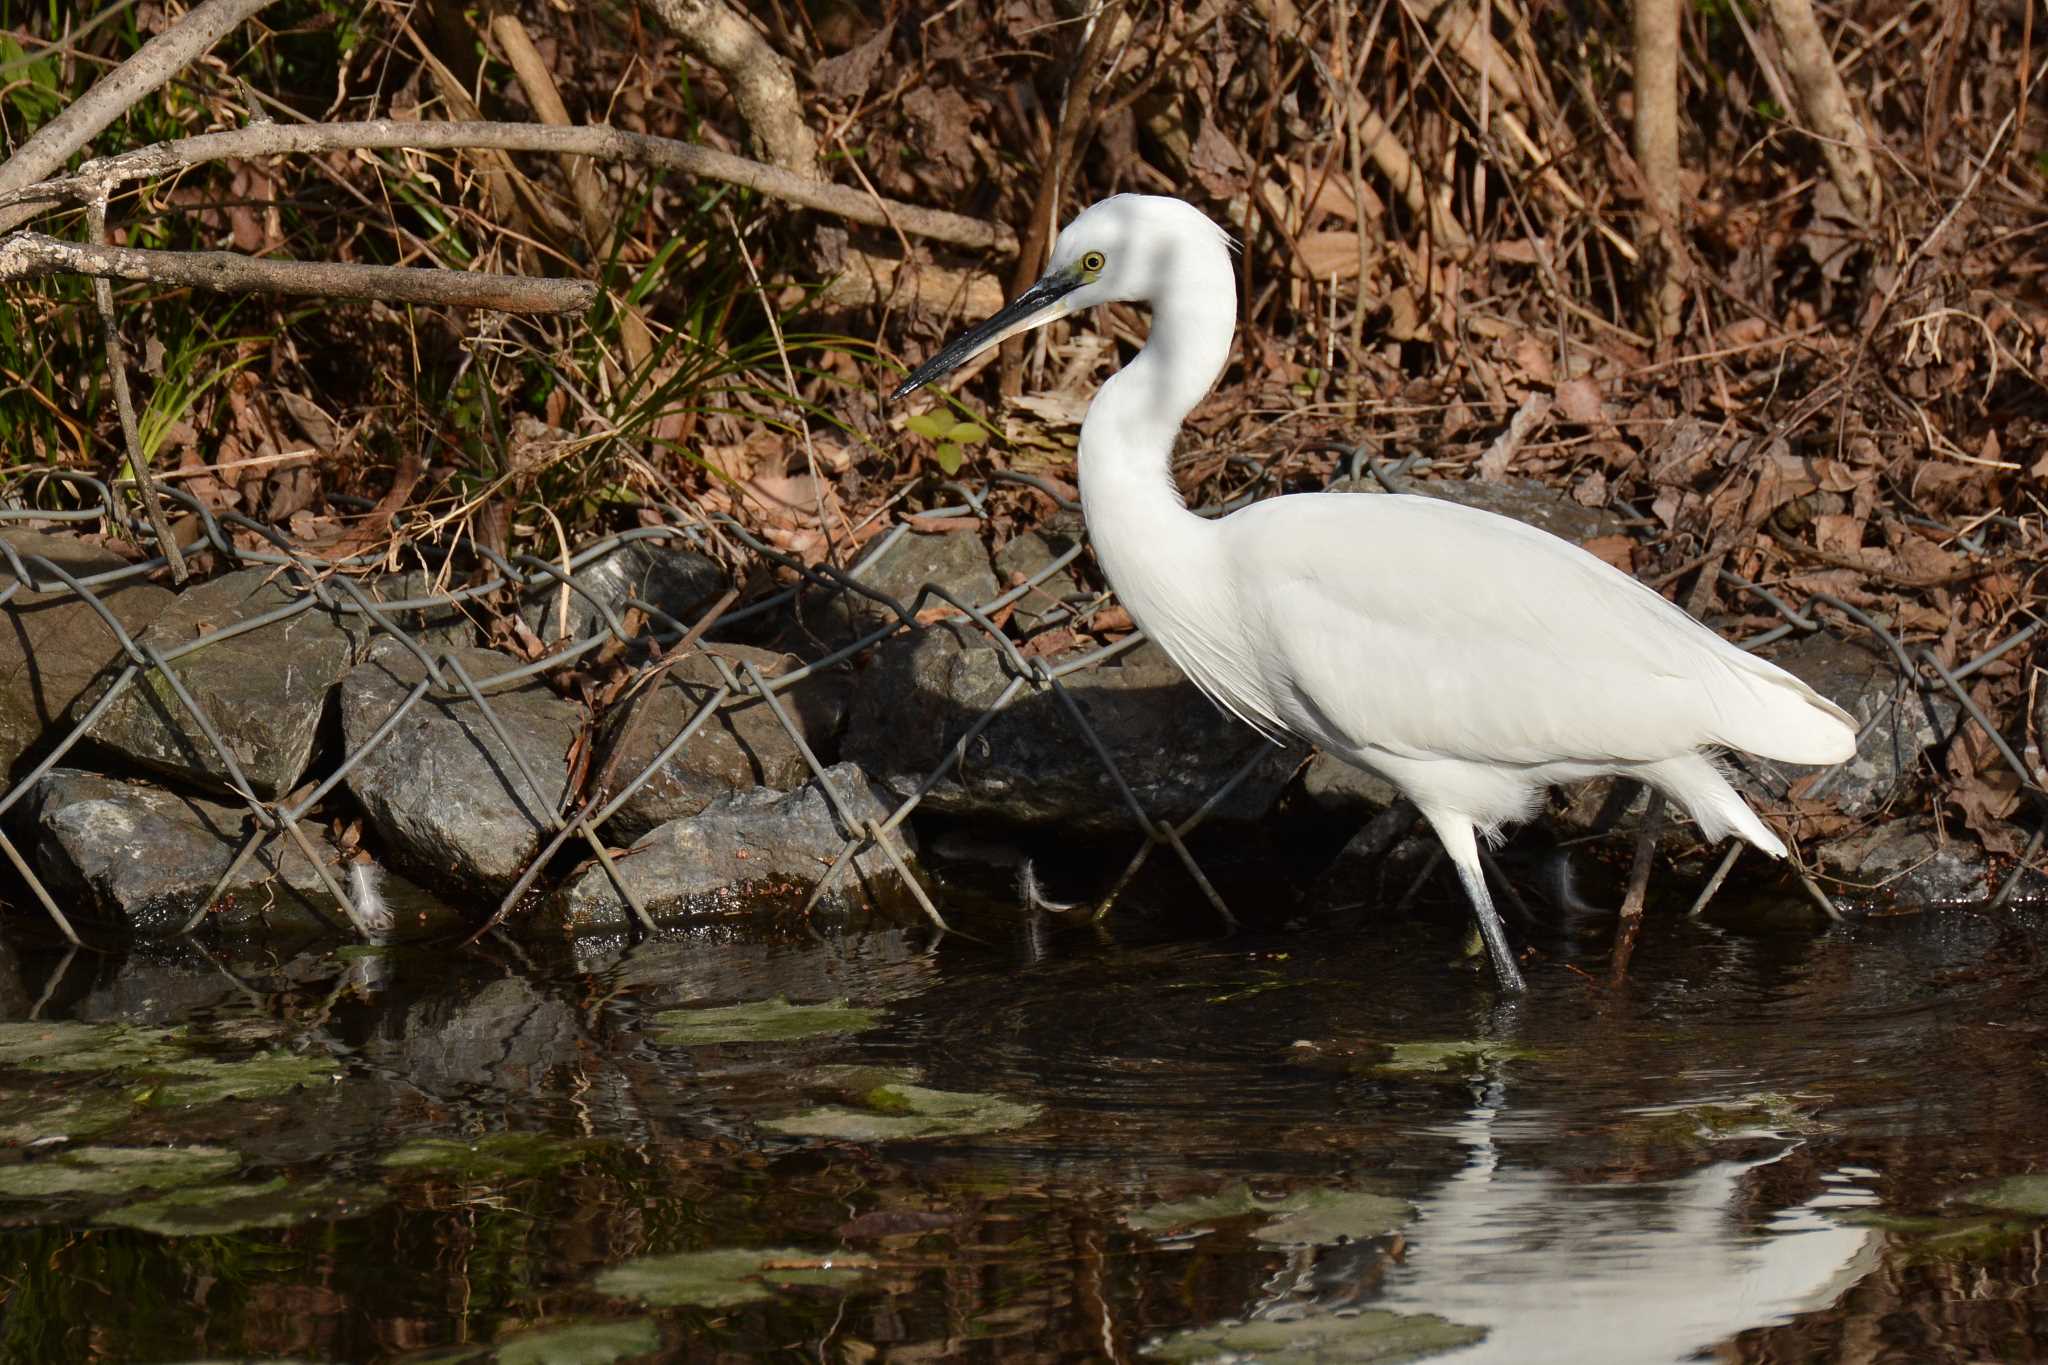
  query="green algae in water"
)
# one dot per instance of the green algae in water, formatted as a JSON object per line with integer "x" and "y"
{"x": 495, "y": 1155}
{"x": 186, "y": 1078}
{"x": 901, "y": 1111}
{"x": 212, "y": 1210}
{"x": 1766, "y": 1113}
{"x": 1378, "y": 1337}
{"x": 115, "y": 1170}
{"x": 761, "y": 1021}
{"x": 63, "y": 1046}
{"x": 1925, "y": 1240}
{"x": 1453, "y": 1060}
{"x": 583, "y": 1343}
{"x": 1303, "y": 1218}
{"x": 27, "y": 1118}
{"x": 2021, "y": 1194}
{"x": 204, "y": 1080}
{"x": 723, "y": 1279}
{"x": 1324, "y": 1217}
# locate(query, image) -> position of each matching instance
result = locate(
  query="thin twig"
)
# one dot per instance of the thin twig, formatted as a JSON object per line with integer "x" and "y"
{"x": 596, "y": 140}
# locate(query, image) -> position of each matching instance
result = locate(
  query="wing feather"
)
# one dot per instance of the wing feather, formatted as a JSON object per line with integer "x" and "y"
{"x": 1430, "y": 629}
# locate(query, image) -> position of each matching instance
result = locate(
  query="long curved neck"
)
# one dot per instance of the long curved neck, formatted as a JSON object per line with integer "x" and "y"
{"x": 1127, "y": 440}
{"x": 1133, "y": 509}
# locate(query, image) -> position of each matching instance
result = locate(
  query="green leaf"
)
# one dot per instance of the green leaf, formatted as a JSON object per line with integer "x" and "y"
{"x": 761, "y": 1021}
{"x": 115, "y": 1170}
{"x": 968, "y": 433}
{"x": 1375, "y": 1335}
{"x": 931, "y": 425}
{"x": 215, "y": 1210}
{"x": 583, "y": 1343}
{"x": 723, "y": 1279}
{"x": 906, "y": 1112}
{"x": 949, "y": 457}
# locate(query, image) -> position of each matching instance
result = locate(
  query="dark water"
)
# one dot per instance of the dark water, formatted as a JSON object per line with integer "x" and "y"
{"x": 1762, "y": 1146}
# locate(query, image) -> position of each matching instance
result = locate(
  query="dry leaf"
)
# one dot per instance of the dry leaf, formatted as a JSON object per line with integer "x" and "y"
{"x": 1620, "y": 551}
{"x": 1328, "y": 255}
{"x": 1532, "y": 358}
{"x": 1579, "y": 401}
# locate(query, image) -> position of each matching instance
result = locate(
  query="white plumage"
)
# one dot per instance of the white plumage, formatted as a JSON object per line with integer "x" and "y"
{"x": 1469, "y": 659}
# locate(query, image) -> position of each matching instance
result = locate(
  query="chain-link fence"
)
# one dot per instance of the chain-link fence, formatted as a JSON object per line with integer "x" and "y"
{"x": 50, "y": 497}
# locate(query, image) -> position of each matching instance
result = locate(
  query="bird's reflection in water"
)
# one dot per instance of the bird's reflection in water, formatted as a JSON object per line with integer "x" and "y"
{"x": 1552, "y": 1270}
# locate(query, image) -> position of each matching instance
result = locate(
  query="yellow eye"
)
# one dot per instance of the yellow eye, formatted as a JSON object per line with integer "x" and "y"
{"x": 1093, "y": 262}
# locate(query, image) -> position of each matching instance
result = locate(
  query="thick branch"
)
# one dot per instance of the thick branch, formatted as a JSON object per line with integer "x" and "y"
{"x": 1656, "y": 146}
{"x": 759, "y": 79}
{"x": 603, "y": 143}
{"x": 1844, "y": 142}
{"x": 159, "y": 59}
{"x": 31, "y": 255}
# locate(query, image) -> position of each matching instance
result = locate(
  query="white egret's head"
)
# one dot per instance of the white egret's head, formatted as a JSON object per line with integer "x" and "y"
{"x": 1130, "y": 248}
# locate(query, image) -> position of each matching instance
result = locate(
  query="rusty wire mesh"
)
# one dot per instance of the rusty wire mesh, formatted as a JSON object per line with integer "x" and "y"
{"x": 323, "y": 584}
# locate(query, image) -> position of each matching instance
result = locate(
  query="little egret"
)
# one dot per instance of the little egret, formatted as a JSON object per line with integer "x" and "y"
{"x": 1468, "y": 659}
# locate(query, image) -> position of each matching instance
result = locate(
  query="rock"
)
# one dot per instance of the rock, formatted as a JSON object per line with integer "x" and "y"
{"x": 1862, "y": 679}
{"x": 742, "y": 747}
{"x": 1375, "y": 868}
{"x": 750, "y": 844}
{"x": 440, "y": 626}
{"x": 443, "y": 792}
{"x": 1525, "y": 500}
{"x": 1031, "y": 766}
{"x": 899, "y": 568}
{"x": 267, "y": 691}
{"x": 1908, "y": 864}
{"x": 1024, "y": 556}
{"x": 146, "y": 858}
{"x": 680, "y": 582}
{"x": 954, "y": 560}
{"x": 696, "y": 962}
{"x": 56, "y": 653}
{"x": 506, "y": 1037}
{"x": 1338, "y": 787}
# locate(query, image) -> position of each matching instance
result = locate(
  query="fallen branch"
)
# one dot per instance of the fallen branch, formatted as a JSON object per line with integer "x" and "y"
{"x": 31, "y": 255}
{"x": 1844, "y": 143}
{"x": 760, "y": 80}
{"x": 159, "y": 59}
{"x": 1656, "y": 148}
{"x": 598, "y": 141}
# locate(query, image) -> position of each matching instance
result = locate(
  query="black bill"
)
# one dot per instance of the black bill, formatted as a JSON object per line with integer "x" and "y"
{"x": 1039, "y": 304}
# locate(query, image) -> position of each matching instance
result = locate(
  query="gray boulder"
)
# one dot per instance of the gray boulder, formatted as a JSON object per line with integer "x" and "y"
{"x": 267, "y": 691}
{"x": 743, "y": 747}
{"x": 507, "y": 1037}
{"x": 1031, "y": 766}
{"x": 145, "y": 858}
{"x": 56, "y": 653}
{"x": 1909, "y": 865}
{"x": 680, "y": 582}
{"x": 438, "y": 625}
{"x": 758, "y": 843}
{"x": 1525, "y": 500}
{"x": 1023, "y": 557}
{"x": 443, "y": 791}
{"x": 1862, "y": 679}
{"x": 954, "y": 560}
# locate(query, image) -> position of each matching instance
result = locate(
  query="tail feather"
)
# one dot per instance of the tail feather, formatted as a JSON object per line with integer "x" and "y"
{"x": 1697, "y": 785}
{"x": 1785, "y": 719}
